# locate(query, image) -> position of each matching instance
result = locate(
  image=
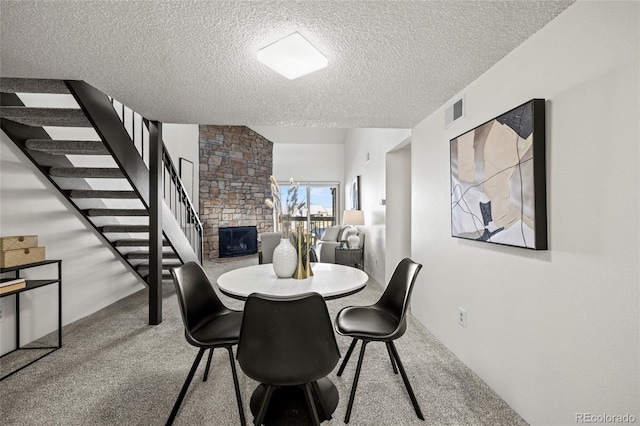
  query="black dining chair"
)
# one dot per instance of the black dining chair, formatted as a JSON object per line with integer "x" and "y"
{"x": 384, "y": 321}
{"x": 288, "y": 341}
{"x": 208, "y": 324}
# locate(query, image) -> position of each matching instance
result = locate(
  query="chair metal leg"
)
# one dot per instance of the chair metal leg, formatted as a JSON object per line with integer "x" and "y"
{"x": 264, "y": 405}
{"x": 346, "y": 357}
{"x": 232, "y": 361}
{"x": 323, "y": 403}
{"x": 311, "y": 404}
{"x": 355, "y": 382}
{"x": 206, "y": 370}
{"x": 405, "y": 379}
{"x": 183, "y": 391}
{"x": 393, "y": 363}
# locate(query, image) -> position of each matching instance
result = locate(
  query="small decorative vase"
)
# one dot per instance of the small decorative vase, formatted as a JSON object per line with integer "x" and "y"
{"x": 301, "y": 272}
{"x": 307, "y": 262}
{"x": 285, "y": 259}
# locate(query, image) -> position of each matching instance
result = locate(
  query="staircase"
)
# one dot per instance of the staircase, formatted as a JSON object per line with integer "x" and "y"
{"x": 104, "y": 175}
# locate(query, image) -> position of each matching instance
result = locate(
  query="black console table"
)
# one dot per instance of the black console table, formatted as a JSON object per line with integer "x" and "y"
{"x": 350, "y": 256}
{"x": 32, "y": 284}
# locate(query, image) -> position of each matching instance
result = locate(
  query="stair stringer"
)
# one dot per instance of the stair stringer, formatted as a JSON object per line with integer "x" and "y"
{"x": 98, "y": 109}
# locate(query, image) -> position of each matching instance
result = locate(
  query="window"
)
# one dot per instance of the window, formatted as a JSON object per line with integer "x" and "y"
{"x": 321, "y": 206}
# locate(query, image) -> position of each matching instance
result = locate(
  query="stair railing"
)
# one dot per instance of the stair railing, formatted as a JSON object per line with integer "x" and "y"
{"x": 177, "y": 198}
{"x": 174, "y": 191}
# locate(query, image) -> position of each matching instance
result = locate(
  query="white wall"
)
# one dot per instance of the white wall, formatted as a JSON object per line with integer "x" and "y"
{"x": 93, "y": 277}
{"x": 556, "y": 332}
{"x": 375, "y": 142}
{"x": 183, "y": 141}
{"x": 308, "y": 162}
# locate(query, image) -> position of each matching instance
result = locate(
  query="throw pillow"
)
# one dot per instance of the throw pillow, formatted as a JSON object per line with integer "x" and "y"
{"x": 344, "y": 232}
{"x": 331, "y": 233}
{"x": 349, "y": 232}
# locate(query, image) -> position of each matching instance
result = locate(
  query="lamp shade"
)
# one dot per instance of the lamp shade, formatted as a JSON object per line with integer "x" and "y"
{"x": 353, "y": 217}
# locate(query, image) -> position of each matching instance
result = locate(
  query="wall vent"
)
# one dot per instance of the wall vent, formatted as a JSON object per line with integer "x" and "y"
{"x": 454, "y": 112}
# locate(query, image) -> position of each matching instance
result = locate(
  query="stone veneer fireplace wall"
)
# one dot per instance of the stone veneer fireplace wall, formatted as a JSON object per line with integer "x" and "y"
{"x": 235, "y": 165}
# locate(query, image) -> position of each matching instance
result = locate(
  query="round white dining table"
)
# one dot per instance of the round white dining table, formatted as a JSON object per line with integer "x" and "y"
{"x": 331, "y": 281}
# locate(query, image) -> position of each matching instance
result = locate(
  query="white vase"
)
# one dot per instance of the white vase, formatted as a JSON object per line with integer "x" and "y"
{"x": 285, "y": 259}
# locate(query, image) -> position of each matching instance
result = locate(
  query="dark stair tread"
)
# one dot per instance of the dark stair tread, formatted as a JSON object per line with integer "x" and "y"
{"x": 32, "y": 85}
{"x": 145, "y": 255}
{"x": 65, "y": 117}
{"x": 166, "y": 263}
{"x": 84, "y": 193}
{"x": 144, "y": 269}
{"x": 86, "y": 172}
{"x": 66, "y": 147}
{"x": 135, "y": 242}
{"x": 115, "y": 212}
{"x": 124, "y": 228}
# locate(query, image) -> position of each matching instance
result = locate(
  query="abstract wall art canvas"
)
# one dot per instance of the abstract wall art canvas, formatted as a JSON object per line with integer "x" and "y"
{"x": 498, "y": 185}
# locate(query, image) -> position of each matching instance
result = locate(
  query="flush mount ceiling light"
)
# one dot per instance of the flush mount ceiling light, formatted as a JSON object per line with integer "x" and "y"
{"x": 292, "y": 56}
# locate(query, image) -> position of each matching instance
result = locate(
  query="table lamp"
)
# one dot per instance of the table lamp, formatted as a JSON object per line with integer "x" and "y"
{"x": 353, "y": 218}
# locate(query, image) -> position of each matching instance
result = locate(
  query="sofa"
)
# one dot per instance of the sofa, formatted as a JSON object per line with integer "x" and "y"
{"x": 331, "y": 238}
{"x": 268, "y": 243}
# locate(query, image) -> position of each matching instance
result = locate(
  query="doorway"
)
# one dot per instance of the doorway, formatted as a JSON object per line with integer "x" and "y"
{"x": 398, "y": 206}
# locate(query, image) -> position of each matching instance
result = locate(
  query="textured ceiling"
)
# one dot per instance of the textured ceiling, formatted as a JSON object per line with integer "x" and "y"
{"x": 391, "y": 63}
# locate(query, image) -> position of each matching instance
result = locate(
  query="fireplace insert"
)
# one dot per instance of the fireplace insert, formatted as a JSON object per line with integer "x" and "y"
{"x": 238, "y": 241}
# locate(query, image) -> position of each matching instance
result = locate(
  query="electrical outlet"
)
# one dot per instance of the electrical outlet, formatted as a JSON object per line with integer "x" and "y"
{"x": 462, "y": 317}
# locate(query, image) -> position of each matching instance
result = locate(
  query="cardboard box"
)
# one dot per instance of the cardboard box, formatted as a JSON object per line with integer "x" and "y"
{"x": 18, "y": 242}
{"x": 9, "y": 258}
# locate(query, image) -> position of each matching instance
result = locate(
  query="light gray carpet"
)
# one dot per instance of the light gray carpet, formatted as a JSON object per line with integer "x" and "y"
{"x": 116, "y": 369}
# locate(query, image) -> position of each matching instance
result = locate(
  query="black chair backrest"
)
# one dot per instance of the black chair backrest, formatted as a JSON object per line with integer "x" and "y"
{"x": 396, "y": 297}
{"x": 196, "y": 296}
{"x": 287, "y": 341}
